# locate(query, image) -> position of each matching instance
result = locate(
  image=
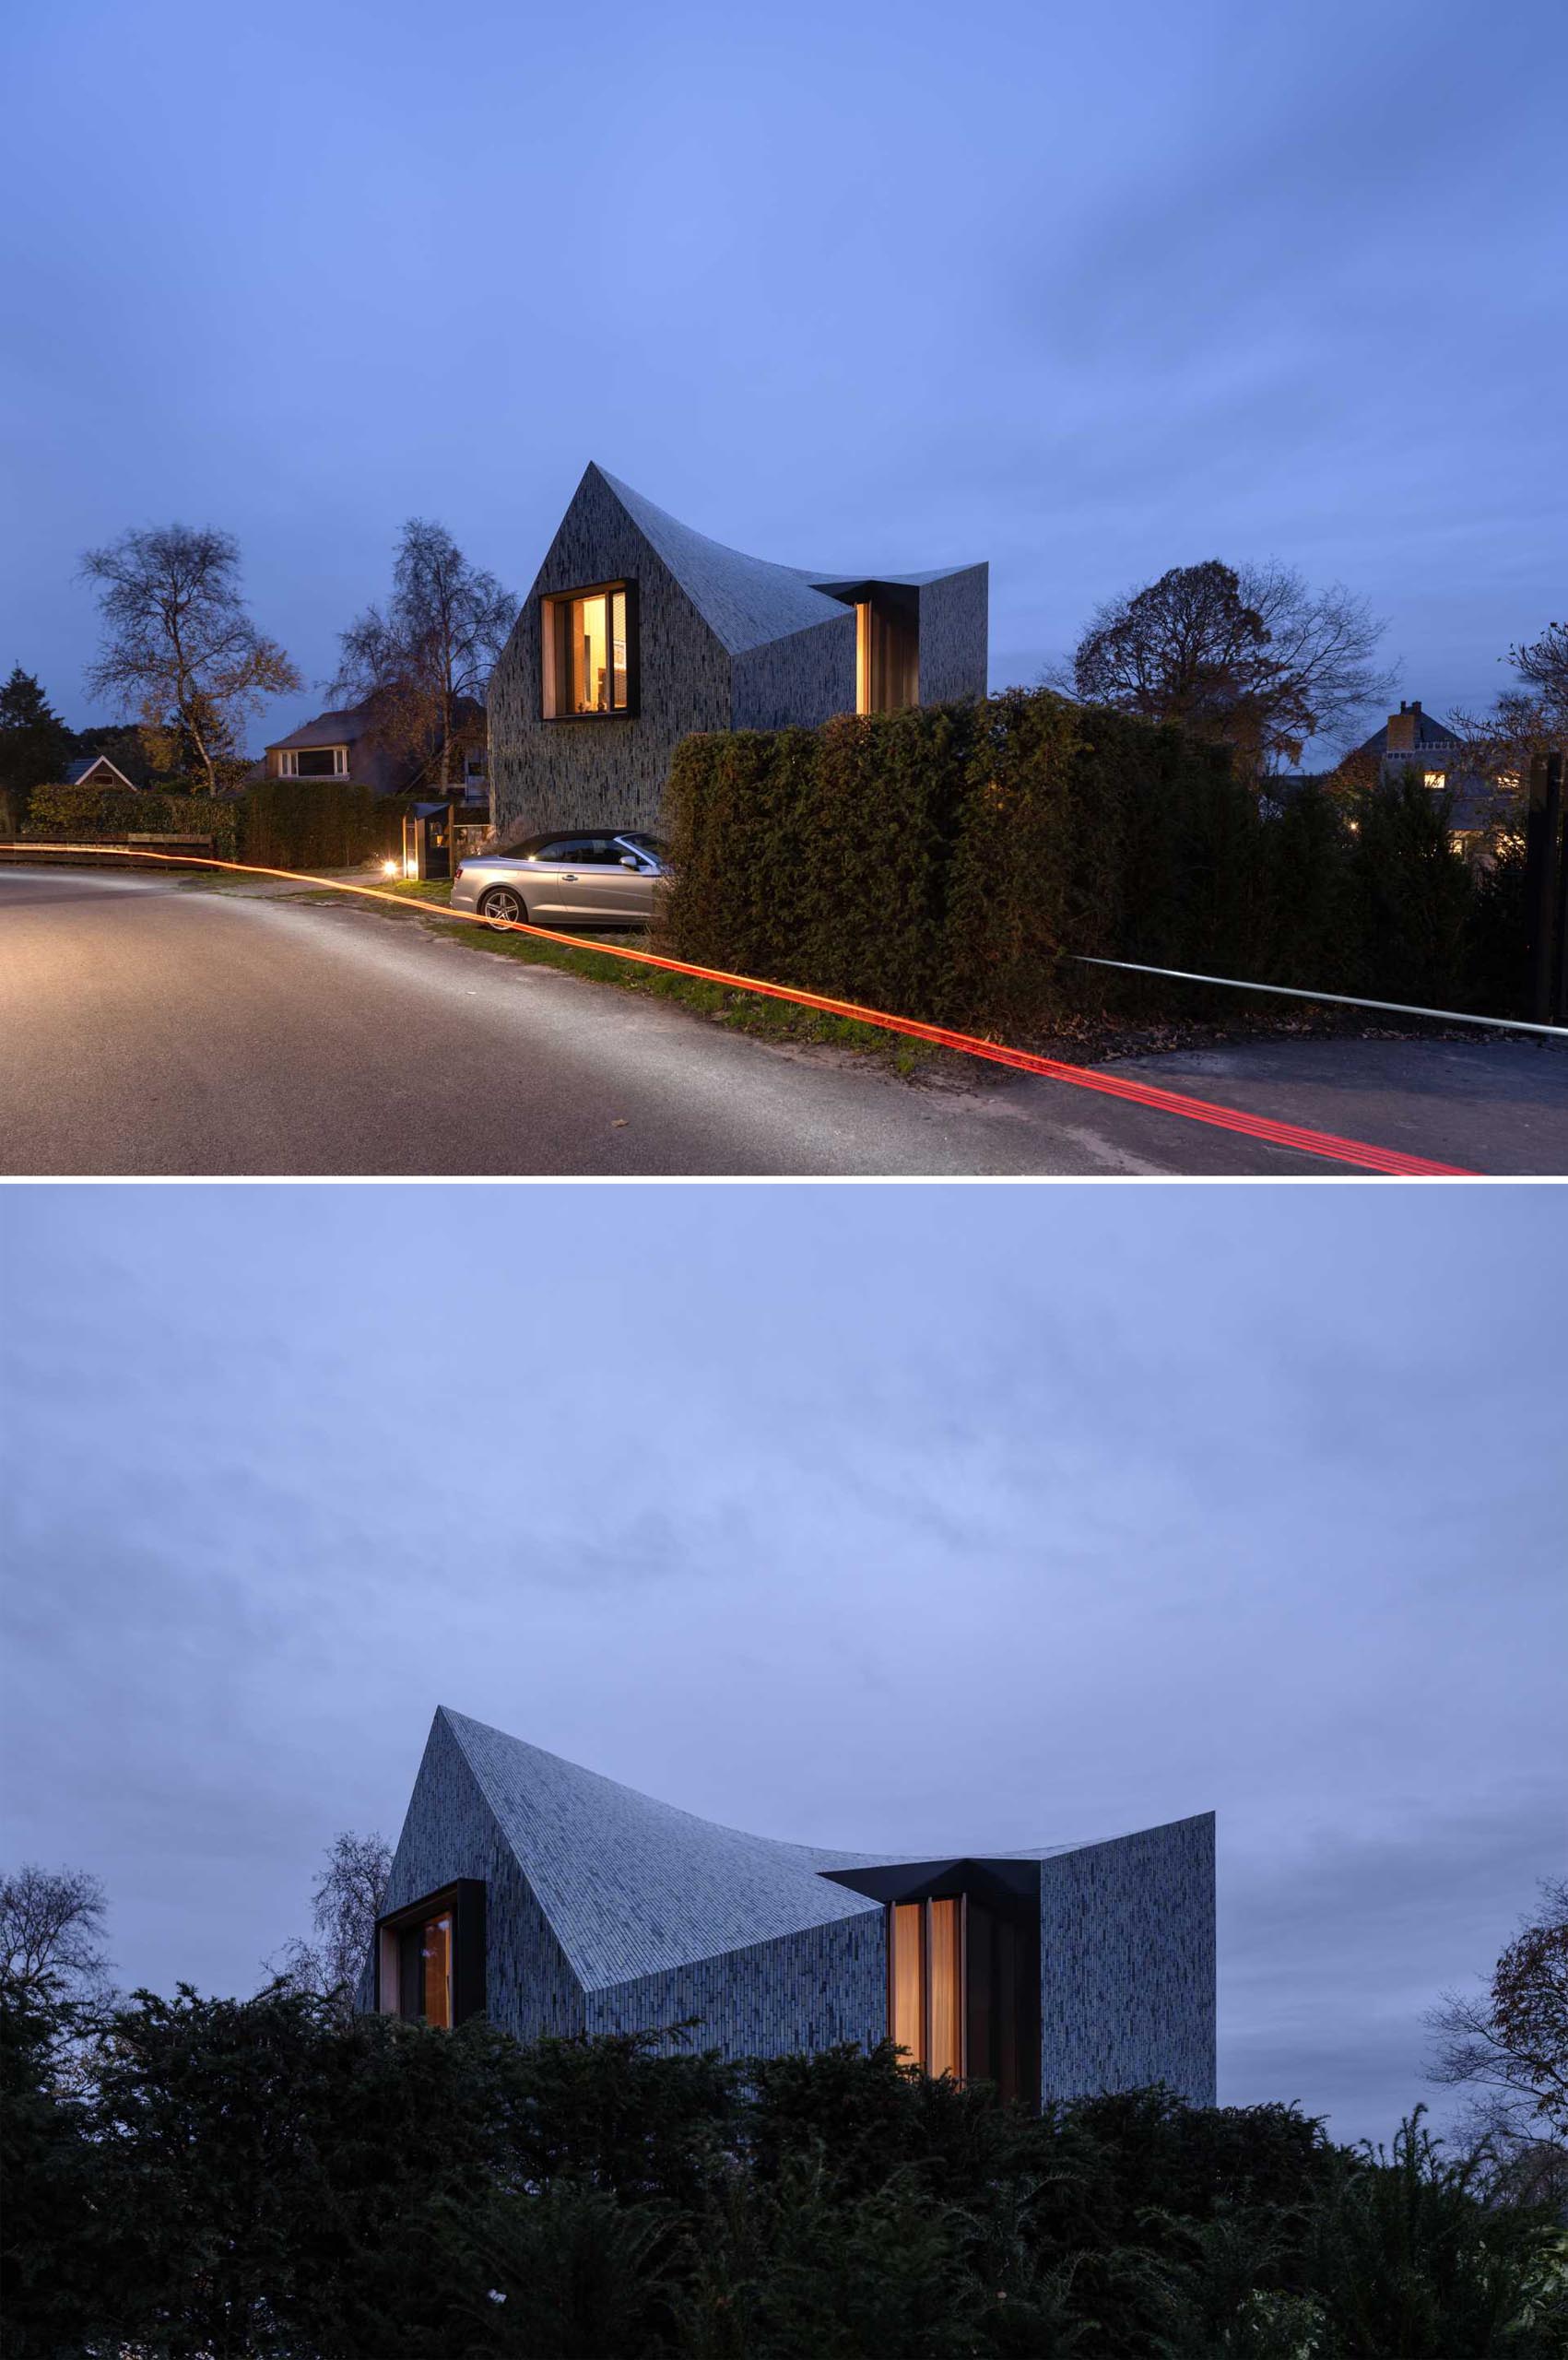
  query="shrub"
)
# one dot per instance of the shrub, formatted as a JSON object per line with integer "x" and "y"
{"x": 265, "y": 2179}
{"x": 108, "y": 814}
{"x": 955, "y": 862}
{"x": 320, "y": 823}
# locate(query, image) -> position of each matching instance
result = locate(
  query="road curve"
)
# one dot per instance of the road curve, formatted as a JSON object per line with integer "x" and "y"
{"x": 146, "y": 1029}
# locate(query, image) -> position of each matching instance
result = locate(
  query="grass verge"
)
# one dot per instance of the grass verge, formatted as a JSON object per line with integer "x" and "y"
{"x": 740, "y": 1011}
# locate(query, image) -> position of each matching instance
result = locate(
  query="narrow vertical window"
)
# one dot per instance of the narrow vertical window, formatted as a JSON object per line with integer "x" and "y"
{"x": 944, "y": 2054}
{"x": 907, "y": 1979}
{"x": 590, "y": 680}
{"x": 437, "y": 1977}
{"x": 617, "y": 651}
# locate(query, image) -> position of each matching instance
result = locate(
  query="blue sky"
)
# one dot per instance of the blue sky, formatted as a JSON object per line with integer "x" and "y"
{"x": 908, "y": 1520}
{"x": 1085, "y": 292}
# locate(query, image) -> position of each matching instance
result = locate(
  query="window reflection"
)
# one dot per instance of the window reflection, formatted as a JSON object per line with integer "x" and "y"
{"x": 587, "y": 652}
{"x": 944, "y": 2054}
{"x": 437, "y": 1994}
{"x": 908, "y": 1979}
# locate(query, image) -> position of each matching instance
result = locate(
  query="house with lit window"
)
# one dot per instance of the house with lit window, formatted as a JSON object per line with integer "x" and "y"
{"x": 556, "y": 1901}
{"x": 344, "y": 746}
{"x": 638, "y": 630}
{"x": 1414, "y": 741}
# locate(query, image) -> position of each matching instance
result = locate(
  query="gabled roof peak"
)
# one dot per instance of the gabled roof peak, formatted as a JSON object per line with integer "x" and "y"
{"x": 746, "y": 601}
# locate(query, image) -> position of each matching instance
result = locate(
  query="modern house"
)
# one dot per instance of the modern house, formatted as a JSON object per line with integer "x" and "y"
{"x": 344, "y": 746}
{"x": 337, "y": 745}
{"x": 638, "y": 630}
{"x": 556, "y": 1901}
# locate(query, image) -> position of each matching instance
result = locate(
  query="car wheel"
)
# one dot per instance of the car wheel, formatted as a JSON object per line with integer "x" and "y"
{"x": 503, "y": 907}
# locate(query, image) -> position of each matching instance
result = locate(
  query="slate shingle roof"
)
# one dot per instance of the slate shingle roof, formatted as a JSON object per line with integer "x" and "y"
{"x": 341, "y": 729}
{"x": 747, "y": 601}
{"x": 632, "y": 1886}
{"x": 1427, "y": 732}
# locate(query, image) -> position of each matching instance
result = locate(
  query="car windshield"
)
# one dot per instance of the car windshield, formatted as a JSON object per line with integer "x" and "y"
{"x": 644, "y": 844}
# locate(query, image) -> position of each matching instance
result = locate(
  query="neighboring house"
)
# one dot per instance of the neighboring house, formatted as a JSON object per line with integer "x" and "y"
{"x": 97, "y": 770}
{"x": 339, "y": 746}
{"x": 556, "y": 1902}
{"x": 638, "y": 630}
{"x": 343, "y": 746}
{"x": 1414, "y": 741}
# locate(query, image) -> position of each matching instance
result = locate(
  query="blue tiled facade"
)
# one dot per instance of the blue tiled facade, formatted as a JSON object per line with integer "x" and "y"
{"x": 607, "y": 1911}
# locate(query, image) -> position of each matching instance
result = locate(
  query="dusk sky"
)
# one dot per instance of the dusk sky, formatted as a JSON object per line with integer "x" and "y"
{"x": 1086, "y": 292}
{"x": 901, "y": 1519}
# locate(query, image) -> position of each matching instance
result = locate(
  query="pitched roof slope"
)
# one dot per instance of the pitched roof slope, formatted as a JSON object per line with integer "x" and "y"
{"x": 746, "y": 601}
{"x": 339, "y": 728}
{"x": 632, "y": 1886}
{"x": 1428, "y": 731}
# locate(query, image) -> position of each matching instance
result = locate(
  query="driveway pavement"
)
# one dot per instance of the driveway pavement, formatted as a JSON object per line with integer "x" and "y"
{"x": 144, "y": 1029}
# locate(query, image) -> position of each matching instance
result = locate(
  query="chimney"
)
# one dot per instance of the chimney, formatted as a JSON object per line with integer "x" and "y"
{"x": 1401, "y": 737}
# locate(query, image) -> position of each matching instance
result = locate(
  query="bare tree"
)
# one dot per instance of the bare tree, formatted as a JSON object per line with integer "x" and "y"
{"x": 180, "y": 653}
{"x": 345, "y": 1903}
{"x": 423, "y": 665}
{"x": 1523, "y": 723}
{"x": 1543, "y": 666}
{"x": 1508, "y": 2047}
{"x": 1247, "y": 657}
{"x": 52, "y": 1926}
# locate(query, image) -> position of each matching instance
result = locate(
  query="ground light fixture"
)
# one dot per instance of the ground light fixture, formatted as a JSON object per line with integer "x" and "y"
{"x": 392, "y": 868}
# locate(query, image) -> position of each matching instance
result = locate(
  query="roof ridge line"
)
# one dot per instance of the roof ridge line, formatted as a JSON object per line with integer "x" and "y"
{"x": 444, "y": 1711}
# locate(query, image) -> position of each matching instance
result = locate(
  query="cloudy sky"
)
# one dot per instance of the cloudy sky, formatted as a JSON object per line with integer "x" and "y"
{"x": 910, "y": 1519}
{"x": 1085, "y": 291}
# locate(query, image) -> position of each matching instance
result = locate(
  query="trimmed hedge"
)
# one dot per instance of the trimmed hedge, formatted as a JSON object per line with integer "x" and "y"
{"x": 108, "y": 814}
{"x": 947, "y": 863}
{"x": 278, "y": 822}
{"x": 320, "y": 823}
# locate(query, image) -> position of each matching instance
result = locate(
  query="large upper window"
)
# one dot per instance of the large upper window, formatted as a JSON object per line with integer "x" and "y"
{"x": 313, "y": 762}
{"x": 588, "y": 655}
{"x": 430, "y": 1957}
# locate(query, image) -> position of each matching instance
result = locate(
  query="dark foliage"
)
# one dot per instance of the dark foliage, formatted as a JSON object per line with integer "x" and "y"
{"x": 319, "y": 823}
{"x": 35, "y": 744}
{"x": 89, "y": 815}
{"x": 249, "y": 2180}
{"x": 954, "y": 863}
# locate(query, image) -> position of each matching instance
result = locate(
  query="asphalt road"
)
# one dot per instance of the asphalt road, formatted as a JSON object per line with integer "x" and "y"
{"x": 147, "y": 1028}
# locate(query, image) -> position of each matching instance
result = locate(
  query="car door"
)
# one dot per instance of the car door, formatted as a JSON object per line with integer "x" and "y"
{"x": 605, "y": 893}
{"x": 554, "y": 881}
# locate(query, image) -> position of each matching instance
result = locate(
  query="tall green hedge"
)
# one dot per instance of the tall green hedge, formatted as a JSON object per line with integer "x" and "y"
{"x": 108, "y": 814}
{"x": 948, "y": 862}
{"x": 278, "y": 822}
{"x": 320, "y": 823}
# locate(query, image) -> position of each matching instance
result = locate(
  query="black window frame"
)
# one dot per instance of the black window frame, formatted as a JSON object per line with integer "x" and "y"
{"x": 464, "y": 1900}
{"x": 553, "y": 652}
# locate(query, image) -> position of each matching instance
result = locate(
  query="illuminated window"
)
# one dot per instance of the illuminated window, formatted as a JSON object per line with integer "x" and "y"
{"x": 587, "y": 653}
{"x": 430, "y": 1957}
{"x": 1437, "y": 780}
{"x": 313, "y": 762}
{"x": 926, "y": 1983}
{"x": 887, "y": 656}
{"x": 963, "y": 1991}
{"x": 424, "y": 1971}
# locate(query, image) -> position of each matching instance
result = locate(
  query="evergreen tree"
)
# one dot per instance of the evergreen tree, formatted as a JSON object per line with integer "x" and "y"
{"x": 35, "y": 744}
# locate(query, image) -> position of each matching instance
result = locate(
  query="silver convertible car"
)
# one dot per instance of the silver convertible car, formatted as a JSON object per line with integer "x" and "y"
{"x": 562, "y": 880}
